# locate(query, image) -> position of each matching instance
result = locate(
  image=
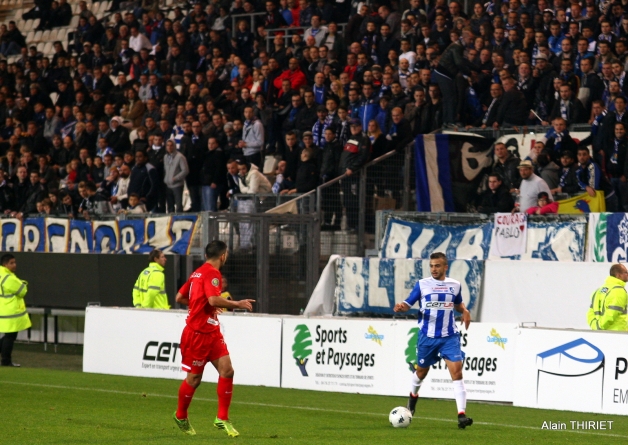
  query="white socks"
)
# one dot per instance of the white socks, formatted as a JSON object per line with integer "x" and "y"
{"x": 460, "y": 393}
{"x": 416, "y": 384}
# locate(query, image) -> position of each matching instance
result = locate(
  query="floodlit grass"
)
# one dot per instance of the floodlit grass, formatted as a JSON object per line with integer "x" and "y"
{"x": 43, "y": 406}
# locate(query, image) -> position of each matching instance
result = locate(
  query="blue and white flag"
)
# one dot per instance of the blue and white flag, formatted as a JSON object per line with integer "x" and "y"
{"x": 449, "y": 168}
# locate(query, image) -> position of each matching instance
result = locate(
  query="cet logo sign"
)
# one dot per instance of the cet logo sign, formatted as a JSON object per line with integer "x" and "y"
{"x": 578, "y": 363}
{"x": 302, "y": 347}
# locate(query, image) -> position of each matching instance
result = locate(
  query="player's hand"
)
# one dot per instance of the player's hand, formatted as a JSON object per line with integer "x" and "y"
{"x": 466, "y": 318}
{"x": 401, "y": 307}
{"x": 246, "y": 304}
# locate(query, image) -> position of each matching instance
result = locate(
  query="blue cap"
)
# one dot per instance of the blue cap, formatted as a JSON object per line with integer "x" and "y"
{"x": 355, "y": 121}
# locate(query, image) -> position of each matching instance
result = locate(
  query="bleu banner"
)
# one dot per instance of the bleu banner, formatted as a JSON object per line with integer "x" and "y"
{"x": 374, "y": 285}
{"x": 172, "y": 234}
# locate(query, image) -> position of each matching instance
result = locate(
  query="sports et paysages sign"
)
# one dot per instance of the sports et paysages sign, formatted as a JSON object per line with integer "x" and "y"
{"x": 172, "y": 234}
{"x": 572, "y": 370}
{"x": 378, "y": 357}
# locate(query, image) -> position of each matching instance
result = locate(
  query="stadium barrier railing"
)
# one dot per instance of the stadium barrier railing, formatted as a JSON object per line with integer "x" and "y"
{"x": 235, "y": 17}
{"x": 274, "y": 258}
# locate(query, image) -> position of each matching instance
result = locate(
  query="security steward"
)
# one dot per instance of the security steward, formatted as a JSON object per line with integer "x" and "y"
{"x": 609, "y": 303}
{"x": 150, "y": 288}
{"x": 13, "y": 315}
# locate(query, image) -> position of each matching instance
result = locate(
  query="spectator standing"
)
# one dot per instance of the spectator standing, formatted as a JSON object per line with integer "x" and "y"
{"x": 497, "y": 198}
{"x": 144, "y": 181}
{"x": 149, "y": 291}
{"x": 531, "y": 186}
{"x": 175, "y": 171}
{"x": 252, "y": 138}
{"x": 354, "y": 156}
{"x": 214, "y": 175}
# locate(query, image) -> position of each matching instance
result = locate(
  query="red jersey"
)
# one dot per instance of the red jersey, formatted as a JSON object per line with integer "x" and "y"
{"x": 205, "y": 282}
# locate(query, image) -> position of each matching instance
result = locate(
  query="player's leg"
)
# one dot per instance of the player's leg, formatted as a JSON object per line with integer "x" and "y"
{"x": 454, "y": 358}
{"x": 417, "y": 380}
{"x": 221, "y": 360}
{"x": 427, "y": 355}
{"x": 186, "y": 392}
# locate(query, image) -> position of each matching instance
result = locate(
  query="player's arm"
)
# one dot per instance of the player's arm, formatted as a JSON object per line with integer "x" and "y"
{"x": 406, "y": 304}
{"x": 183, "y": 295}
{"x": 466, "y": 315}
{"x": 231, "y": 304}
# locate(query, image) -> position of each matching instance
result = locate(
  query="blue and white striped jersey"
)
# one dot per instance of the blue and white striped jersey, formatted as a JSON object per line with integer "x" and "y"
{"x": 436, "y": 305}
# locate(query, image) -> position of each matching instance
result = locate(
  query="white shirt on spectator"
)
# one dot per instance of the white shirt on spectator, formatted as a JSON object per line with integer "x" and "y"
{"x": 319, "y": 34}
{"x": 140, "y": 42}
{"x": 410, "y": 56}
{"x": 529, "y": 192}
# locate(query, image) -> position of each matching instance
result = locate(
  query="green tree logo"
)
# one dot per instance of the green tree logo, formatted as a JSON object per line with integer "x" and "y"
{"x": 301, "y": 348}
{"x": 411, "y": 349}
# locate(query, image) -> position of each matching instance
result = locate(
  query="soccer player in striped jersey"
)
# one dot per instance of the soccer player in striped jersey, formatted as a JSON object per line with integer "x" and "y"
{"x": 438, "y": 297}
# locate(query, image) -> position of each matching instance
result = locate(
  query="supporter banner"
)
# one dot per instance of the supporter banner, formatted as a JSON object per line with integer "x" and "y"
{"x": 374, "y": 285}
{"x": 488, "y": 368}
{"x": 583, "y": 204}
{"x": 583, "y": 371}
{"x": 522, "y": 144}
{"x": 449, "y": 168}
{"x": 509, "y": 236}
{"x": 172, "y": 234}
{"x": 403, "y": 239}
{"x": 548, "y": 241}
{"x": 146, "y": 343}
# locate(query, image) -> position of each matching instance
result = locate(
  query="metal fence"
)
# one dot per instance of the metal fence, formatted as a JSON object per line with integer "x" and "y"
{"x": 274, "y": 259}
{"x": 262, "y": 202}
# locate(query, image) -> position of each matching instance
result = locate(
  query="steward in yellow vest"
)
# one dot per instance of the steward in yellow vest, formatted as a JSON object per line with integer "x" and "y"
{"x": 13, "y": 315}
{"x": 609, "y": 303}
{"x": 150, "y": 288}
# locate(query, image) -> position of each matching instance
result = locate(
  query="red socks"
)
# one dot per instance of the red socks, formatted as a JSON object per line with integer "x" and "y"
{"x": 186, "y": 392}
{"x": 224, "y": 391}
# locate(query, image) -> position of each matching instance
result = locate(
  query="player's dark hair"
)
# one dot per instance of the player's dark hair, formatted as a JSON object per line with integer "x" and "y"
{"x": 153, "y": 255}
{"x": 4, "y": 259}
{"x": 438, "y": 256}
{"x": 616, "y": 269}
{"x": 215, "y": 249}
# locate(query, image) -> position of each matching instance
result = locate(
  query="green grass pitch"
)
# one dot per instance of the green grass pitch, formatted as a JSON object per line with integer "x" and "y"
{"x": 43, "y": 406}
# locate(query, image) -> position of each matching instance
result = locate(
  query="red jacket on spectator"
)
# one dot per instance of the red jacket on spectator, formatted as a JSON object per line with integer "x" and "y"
{"x": 245, "y": 83}
{"x": 297, "y": 79}
{"x": 351, "y": 70}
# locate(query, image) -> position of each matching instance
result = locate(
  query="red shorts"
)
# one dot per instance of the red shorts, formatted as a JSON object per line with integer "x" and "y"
{"x": 198, "y": 349}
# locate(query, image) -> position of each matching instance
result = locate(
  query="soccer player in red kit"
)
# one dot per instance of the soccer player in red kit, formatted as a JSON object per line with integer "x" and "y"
{"x": 202, "y": 341}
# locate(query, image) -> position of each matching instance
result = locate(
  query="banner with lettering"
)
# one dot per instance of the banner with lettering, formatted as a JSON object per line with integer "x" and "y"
{"x": 172, "y": 234}
{"x": 509, "y": 234}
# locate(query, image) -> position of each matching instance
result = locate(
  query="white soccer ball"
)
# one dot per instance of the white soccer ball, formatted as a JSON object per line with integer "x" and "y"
{"x": 400, "y": 417}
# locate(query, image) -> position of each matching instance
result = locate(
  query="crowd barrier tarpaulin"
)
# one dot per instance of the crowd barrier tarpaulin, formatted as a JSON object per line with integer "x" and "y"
{"x": 449, "y": 169}
{"x": 404, "y": 239}
{"x": 583, "y": 371}
{"x": 172, "y": 234}
{"x": 375, "y": 285}
{"x": 546, "y": 240}
{"x": 146, "y": 343}
{"x": 552, "y": 294}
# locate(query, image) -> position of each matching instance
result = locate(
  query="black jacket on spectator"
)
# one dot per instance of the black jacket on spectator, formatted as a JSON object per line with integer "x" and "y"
{"x": 355, "y": 153}
{"x": 331, "y": 160}
{"x": 194, "y": 153}
{"x": 576, "y": 114}
{"x": 568, "y": 180}
{"x": 35, "y": 194}
{"x": 292, "y": 158}
{"x": 119, "y": 140}
{"x": 307, "y": 176}
{"x": 496, "y": 201}
{"x": 512, "y": 109}
{"x": 37, "y": 144}
{"x": 7, "y": 197}
{"x": 509, "y": 171}
{"x": 306, "y": 118}
{"x": 400, "y": 135}
{"x": 145, "y": 182}
{"x": 214, "y": 168}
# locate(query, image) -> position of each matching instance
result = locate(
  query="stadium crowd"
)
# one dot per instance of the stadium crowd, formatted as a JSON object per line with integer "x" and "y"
{"x": 146, "y": 102}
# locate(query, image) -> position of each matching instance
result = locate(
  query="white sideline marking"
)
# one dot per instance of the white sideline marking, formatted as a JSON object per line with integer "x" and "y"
{"x": 305, "y": 408}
